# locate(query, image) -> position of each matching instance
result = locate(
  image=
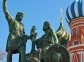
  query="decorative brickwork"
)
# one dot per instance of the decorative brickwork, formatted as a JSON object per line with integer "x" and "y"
{"x": 75, "y": 45}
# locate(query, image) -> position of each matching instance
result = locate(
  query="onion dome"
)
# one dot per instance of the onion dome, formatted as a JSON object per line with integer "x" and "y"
{"x": 62, "y": 35}
{"x": 75, "y": 10}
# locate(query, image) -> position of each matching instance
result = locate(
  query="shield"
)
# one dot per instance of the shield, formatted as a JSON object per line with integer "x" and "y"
{"x": 57, "y": 54}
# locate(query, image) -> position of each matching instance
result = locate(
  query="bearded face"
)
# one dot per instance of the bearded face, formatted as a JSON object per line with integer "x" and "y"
{"x": 46, "y": 26}
{"x": 19, "y": 16}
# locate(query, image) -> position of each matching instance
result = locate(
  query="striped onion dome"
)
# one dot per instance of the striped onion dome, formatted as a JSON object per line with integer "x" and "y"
{"x": 75, "y": 10}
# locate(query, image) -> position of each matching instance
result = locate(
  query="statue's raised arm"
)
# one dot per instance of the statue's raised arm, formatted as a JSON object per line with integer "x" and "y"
{"x": 6, "y": 12}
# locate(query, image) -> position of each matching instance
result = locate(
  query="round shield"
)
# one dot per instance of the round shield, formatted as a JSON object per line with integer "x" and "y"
{"x": 56, "y": 54}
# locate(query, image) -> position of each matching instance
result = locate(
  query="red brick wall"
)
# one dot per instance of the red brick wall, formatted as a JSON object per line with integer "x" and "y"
{"x": 75, "y": 45}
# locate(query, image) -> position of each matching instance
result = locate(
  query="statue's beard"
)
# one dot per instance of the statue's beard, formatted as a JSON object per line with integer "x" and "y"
{"x": 19, "y": 19}
{"x": 45, "y": 29}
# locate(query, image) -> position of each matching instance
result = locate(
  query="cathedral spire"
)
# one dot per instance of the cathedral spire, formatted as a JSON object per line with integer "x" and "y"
{"x": 79, "y": 0}
{"x": 76, "y": 0}
{"x": 61, "y": 21}
{"x": 61, "y": 17}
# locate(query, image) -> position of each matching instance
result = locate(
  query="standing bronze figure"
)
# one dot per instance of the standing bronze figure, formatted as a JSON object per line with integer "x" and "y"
{"x": 16, "y": 42}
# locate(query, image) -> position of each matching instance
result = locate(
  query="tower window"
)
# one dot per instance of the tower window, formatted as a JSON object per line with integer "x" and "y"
{"x": 76, "y": 42}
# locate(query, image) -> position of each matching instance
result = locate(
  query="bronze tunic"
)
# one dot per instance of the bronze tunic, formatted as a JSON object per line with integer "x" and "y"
{"x": 15, "y": 36}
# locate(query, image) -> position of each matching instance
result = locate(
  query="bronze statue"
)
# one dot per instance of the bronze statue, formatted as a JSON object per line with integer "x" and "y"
{"x": 50, "y": 32}
{"x": 48, "y": 47}
{"x": 16, "y": 42}
{"x": 47, "y": 40}
{"x": 33, "y": 37}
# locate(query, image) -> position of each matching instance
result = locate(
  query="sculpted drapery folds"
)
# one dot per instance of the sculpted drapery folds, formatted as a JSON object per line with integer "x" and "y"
{"x": 49, "y": 49}
{"x": 47, "y": 40}
{"x": 16, "y": 42}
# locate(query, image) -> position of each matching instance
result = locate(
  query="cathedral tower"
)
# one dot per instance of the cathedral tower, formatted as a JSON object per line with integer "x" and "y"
{"x": 75, "y": 18}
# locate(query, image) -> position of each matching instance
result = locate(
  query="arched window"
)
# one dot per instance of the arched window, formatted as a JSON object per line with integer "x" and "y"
{"x": 76, "y": 42}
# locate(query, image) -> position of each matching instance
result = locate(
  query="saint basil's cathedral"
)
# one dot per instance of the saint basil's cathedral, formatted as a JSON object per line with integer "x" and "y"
{"x": 75, "y": 19}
